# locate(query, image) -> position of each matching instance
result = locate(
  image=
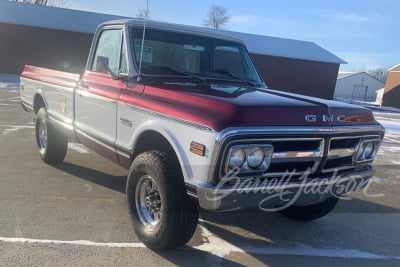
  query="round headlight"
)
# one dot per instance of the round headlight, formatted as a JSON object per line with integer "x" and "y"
{"x": 368, "y": 150}
{"x": 360, "y": 152}
{"x": 255, "y": 157}
{"x": 237, "y": 158}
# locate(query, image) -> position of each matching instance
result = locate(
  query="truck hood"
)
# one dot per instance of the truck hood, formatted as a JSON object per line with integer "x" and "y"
{"x": 220, "y": 106}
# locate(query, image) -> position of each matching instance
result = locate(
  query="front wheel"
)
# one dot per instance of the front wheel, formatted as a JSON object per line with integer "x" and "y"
{"x": 52, "y": 144}
{"x": 163, "y": 215}
{"x": 310, "y": 212}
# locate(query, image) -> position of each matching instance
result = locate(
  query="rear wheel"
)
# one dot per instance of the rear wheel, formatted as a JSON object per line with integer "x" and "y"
{"x": 162, "y": 213}
{"x": 310, "y": 212}
{"x": 52, "y": 144}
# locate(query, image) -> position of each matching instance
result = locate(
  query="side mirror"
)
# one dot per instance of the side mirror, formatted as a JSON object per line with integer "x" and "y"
{"x": 102, "y": 64}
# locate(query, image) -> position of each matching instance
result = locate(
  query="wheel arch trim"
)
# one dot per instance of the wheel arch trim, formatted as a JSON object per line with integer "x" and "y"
{"x": 164, "y": 131}
{"x": 39, "y": 95}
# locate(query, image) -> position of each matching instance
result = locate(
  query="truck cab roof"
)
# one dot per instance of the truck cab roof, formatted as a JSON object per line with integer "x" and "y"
{"x": 173, "y": 27}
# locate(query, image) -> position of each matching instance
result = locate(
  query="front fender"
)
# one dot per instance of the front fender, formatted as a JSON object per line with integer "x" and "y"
{"x": 164, "y": 130}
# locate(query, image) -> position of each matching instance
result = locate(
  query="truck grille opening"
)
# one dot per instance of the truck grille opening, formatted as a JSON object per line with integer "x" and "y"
{"x": 290, "y": 155}
{"x": 342, "y": 151}
{"x": 295, "y": 145}
{"x": 344, "y": 143}
{"x": 295, "y": 157}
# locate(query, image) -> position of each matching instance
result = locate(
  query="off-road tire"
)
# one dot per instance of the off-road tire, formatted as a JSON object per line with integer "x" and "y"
{"x": 162, "y": 214}
{"x": 52, "y": 143}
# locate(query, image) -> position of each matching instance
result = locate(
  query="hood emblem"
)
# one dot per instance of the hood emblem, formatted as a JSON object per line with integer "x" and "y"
{"x": 325, "y": 118}
{"x": 311, "y": 118}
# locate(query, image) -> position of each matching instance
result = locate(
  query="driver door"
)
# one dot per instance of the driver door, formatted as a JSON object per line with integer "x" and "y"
{"x": 98, "y": 93}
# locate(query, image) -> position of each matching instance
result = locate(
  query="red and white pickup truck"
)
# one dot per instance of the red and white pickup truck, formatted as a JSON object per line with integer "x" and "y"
{"x": 186, "y": 111}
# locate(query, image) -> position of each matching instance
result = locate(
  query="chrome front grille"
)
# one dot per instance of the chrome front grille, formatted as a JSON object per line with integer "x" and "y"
{"x": 296, "y": 156}
{"x": 342, "y": 150}
{"x": 291, "y": 155}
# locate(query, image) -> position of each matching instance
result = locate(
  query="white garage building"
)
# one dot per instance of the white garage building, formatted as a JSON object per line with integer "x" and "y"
{"x": 358, "y": 87}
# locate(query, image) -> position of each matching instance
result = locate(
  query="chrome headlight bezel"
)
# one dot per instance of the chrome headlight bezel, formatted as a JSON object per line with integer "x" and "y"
{"x": 257, "y": 158}
{"x": 367, "y": 151}
{"x": 237, "y": 157}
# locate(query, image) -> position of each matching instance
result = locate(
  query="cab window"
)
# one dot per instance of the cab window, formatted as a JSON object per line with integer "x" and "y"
{"x": 110, "y": 53}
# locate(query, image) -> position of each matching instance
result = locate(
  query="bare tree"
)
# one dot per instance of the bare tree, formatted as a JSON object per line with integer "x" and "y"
{"x": 59, "y": 3}
{"x": 217, "y": 17}
{"x": 143, "y": 14}
{"x": 40, "y": 2}
{"x": 379, "y": 73}
{"x": 34, "y": 2}
{"x": 20, "y": 1}
{"x": 56, "y": 3}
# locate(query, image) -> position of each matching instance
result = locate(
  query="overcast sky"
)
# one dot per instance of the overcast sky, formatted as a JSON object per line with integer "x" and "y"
{"x": 365, "y": 33}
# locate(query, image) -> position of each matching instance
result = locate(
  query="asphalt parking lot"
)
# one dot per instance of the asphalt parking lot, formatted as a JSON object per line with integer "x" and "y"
{"x": 75, "y": 214}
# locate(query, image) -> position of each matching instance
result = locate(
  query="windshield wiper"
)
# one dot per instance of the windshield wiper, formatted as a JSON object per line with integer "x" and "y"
{"x": 229, "y": 74}
{"x": 175, "y": 71}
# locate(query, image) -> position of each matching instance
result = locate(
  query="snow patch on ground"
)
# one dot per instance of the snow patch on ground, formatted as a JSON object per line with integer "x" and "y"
{"x": 392, "y": 127}
{"x": 9, "y": 81}
{"x": 14, "y": 128}
{"x": 391, "y": 122}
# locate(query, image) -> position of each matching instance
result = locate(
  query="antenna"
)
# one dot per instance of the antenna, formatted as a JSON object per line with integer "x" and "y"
{"x": 144, "y": 34}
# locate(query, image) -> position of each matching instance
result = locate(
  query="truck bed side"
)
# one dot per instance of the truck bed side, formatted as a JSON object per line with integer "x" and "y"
{"x": 51, "y": 89}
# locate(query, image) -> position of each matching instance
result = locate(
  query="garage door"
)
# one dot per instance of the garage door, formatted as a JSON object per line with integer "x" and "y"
{"x": 359, "y": 92}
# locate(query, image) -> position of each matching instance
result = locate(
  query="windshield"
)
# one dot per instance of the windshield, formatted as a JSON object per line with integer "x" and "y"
{"x": 182, "y": 54}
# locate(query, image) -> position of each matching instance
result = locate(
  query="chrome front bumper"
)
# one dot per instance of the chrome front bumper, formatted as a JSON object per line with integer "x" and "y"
{"x": 270, "y": 194}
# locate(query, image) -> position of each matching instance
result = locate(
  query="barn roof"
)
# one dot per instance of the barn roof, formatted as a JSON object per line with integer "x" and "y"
{"x": 395, "y": 68}
{"x": 282, "y": 47}
{"x": 87, "y": 22}
{"x": 342, "y": 75}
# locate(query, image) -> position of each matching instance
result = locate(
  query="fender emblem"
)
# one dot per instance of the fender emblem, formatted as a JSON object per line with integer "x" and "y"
{"x": 126, "y": 122}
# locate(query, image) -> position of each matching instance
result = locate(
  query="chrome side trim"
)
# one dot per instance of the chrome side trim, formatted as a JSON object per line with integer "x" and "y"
{"x": 123, "y": 151}
{"x": 168, "y": 117}
{"x": 102, "y": 142}
{"x": 95, "y": 138}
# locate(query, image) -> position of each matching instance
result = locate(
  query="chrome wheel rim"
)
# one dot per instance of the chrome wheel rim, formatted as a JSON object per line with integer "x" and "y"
{"x": 148, "y": 201}
{"x": 42, "y": 135}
